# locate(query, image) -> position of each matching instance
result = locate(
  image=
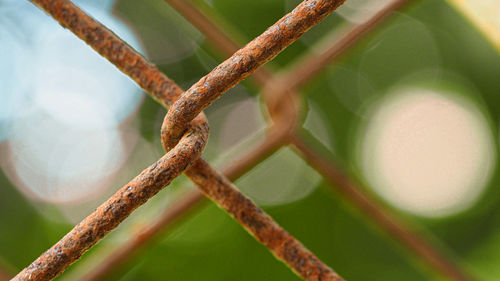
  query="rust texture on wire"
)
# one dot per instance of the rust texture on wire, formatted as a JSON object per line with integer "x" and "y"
{"x": 220, "y": 40}
{"x": 112, "y": 212}
{"x": 278, "y": 87}
{"x": 262, "y": 226}
{"x": 178, "y": 209}
{"x": 179, "y": 156}
{"x": 282, "y": 108}
{"x": 279, "y": 134}
{"x": 243, "y": 62}
{"x": 219, "y": 189}
{"x": 173, "y": 212}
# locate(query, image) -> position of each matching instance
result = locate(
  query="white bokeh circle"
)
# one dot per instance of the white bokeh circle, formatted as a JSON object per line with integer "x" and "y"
{"x": 282, "y": 178}
{"x": 65, "y": 108}
{"x": 427, "y": 151}
{"x": 60, "y": 164}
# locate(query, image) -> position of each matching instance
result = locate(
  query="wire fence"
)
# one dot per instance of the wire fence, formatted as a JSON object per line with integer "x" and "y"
{"x": 185, "y": 132}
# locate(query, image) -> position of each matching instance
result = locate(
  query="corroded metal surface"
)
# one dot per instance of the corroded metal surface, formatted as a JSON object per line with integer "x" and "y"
{"x": 258, "y": 223}
{"x": 182, "y": 149}
{"x": 280, "y": 92}
{"x": 179, "y": 208}
{"x": 124, "y": 251}
{"x": 112, "y": 212}
{"x": 242, "y": 63}
{"x": 221, "y": 41}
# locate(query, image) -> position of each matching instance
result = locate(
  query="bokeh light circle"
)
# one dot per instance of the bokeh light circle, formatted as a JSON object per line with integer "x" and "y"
{"x": 74, "y": 83}
{"x": 282, "y": 178}
{"x": 427, "y": 151}
{"x": 60, "y": 164}
{"x": 65, "y": 106}
{"x": 15, "y": 79}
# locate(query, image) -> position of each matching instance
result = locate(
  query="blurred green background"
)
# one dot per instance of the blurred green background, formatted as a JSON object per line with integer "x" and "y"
{"x": 428, "y": 44}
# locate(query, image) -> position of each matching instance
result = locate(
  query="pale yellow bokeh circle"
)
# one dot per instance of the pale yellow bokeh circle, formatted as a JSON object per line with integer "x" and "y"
{"x": 426, "y": 151}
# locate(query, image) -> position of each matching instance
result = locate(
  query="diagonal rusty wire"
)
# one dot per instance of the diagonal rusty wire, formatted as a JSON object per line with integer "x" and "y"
{"x": 184, "y": 139}
{"x": 282, "y": 86}
{"x": 178, "y": 209}
{"x": 235, "y": 169}
{"x": 246, "y": 60}
{"x": 307, "y": 67}
{"x": 287, "y": 84}
{"x": 300, "y": 74}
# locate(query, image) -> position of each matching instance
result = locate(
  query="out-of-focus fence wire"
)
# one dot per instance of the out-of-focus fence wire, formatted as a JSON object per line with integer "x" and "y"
{"x": 280, "y": 93}
{"x": 184, "y": 135}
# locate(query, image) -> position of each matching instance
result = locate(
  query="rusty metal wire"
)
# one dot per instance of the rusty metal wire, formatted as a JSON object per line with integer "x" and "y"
{"x": 276, "y": 88}
{"x": 220, "y": 40}
{"x": 112, "y": 212}
{"x": 227, "y": 46}
{"x": 277, "y": 240}
{"x": 179, "y": 208}
{"x": 245, "y": 61}
{"x": 307, "y": 67}
{"x": 280, "y": 96}
{"x": 184, "y": 141}
{"x": 119, "y": 256}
